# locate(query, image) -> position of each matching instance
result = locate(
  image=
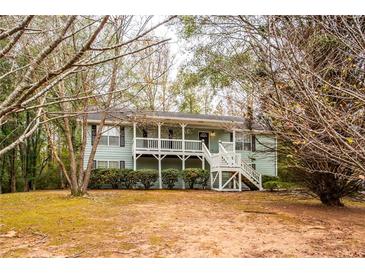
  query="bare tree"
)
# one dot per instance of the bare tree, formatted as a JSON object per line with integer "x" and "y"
{"x": 35, "y": 46}
{"x": 102, "y": 89}
{"x": 312, "y": 80}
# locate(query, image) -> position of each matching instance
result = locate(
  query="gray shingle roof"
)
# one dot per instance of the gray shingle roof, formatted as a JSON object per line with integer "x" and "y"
{"x": 128, "y": 115}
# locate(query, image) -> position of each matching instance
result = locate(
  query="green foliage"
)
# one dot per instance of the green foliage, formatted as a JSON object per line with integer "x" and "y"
{"x": 132, "y": 178}
{"x": 124, "y": 178}
{"x": 266, "y": 178}
{"x": 114, "y": 176}
{"x": 204, "y": 178}
{"x": 147, "y": 177}
{"x": 271, "y": 185}
{"x": 170, "y": 177}
{"x": 189, "y": 25}
{"x": 97, "y": 178}
{"x": 194, "y": 176}
{"x": 49, "y": 179}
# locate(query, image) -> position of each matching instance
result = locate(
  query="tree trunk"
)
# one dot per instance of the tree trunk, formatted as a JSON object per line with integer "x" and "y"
{"x": 12, "y": 169}
{"x": 2, "y": 168}
{"x": 329, "y": 199}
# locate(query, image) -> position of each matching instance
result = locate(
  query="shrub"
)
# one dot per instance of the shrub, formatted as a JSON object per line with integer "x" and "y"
{"x": 97, "y": 178}
{"x": 145, "y": 176}
{"x": 132, "y": 178}
{"x": 266, "y": 178}
{"x": 124, "y": 178}
{"x": 192, "y": 176}
{"x": 112, "y": 176}
{"x": 204, "y": 178}
{"x": 170, "y": 177}
{"x": 271, "y": 185}
{"x": 148, "y": 177}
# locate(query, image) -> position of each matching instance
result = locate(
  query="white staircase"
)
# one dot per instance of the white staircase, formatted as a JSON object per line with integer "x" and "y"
{"x": 228, "y": 169}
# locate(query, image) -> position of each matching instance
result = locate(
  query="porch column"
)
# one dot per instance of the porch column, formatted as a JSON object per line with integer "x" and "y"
{"x": 159, "y": 155}
{"x": 239, "y": 181}
{"x": 134, "y": 146}
{"x": 183, "y": 150}
{"x": 183, "y": 136}
{"x": 220, "y": 179}
{"x": 203, "y": 160}
{"x": 234, "y": 140}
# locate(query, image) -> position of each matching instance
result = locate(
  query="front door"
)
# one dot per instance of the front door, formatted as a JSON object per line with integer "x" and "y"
{"x": 204, "y": 136}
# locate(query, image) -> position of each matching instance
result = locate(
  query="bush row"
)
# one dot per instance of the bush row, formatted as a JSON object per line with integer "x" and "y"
{"x": 129, "y": 178}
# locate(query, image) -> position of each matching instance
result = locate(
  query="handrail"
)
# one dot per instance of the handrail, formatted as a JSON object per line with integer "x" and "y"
{"x": 229, "y": 146}
{"x": 206, "y": 151}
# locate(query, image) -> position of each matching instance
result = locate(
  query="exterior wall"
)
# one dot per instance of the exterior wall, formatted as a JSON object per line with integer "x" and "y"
{"x": 112, "y": 153}
{"x": 265, "y": 161}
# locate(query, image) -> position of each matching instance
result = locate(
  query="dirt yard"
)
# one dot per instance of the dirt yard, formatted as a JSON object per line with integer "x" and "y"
{"x": 178, "y": 224}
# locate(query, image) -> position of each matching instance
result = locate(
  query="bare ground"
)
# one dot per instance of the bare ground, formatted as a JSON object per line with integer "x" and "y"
{"x": 178, "y": 224}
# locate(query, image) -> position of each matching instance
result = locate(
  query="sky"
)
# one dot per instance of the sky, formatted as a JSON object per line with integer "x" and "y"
{"x": 176, "y": 44}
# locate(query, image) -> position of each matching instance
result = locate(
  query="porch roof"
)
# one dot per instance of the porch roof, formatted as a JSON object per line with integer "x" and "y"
{"x": 175, "y": 117}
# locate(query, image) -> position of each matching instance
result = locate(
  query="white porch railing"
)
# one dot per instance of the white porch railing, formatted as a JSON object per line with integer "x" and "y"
{"x": 147, "y": 143}
{"x": 152, "y": 144}
{"x": 171, "y": 144}
{"x": 193, "y": 145}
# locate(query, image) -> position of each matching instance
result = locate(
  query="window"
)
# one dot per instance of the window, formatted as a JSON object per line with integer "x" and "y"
{"x": 104, "y": 140}
{"x": 113, "y": 164}
{"x": 109, "y": 164}
{"x": 110, "y": 136}
{"x": 102, "y": 164}
{"x": 239, "y": 145}
{"x": 247, "y": 143}
{"x": 244, "y": 143}
{"x": 113, "y": 141}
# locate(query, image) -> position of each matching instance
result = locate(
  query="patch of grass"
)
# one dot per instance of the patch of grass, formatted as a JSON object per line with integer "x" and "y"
{"x": 155, "y": 240}
{"x": 17, "y": 253}
{"x": 125, "y": 222}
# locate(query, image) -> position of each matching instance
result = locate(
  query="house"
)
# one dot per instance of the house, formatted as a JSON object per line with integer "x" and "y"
{"x": 236, "y": 157}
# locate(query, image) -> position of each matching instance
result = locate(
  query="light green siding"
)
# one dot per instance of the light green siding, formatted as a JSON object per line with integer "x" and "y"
{"x": 264, "y": 157}
{"x": 112, "y": 153}
{"x": 265, "y": 161}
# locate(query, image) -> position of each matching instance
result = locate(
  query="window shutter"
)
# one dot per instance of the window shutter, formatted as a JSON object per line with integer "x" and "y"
{"x": 122, "y": 164}
{"x": 231, "y": 136}
{"x": 253, "y": 143}
{"x": 122, "y": 136}
{"x": 94, "y": 164}
{"x": 93, "y": 133}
